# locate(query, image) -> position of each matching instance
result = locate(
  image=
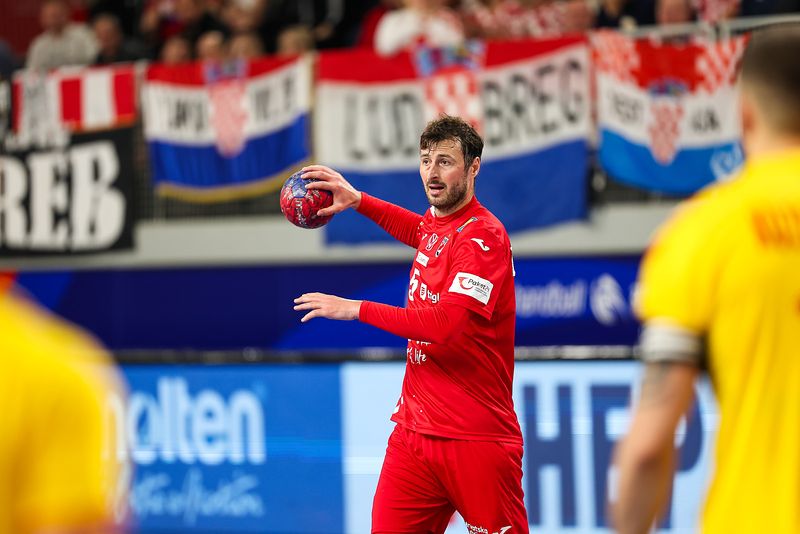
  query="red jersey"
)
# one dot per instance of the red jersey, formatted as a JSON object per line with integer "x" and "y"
{"x": 459, "y": 320}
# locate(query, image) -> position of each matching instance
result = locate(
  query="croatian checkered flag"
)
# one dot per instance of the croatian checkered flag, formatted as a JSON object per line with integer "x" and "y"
{"x": 718, "y": 63}
{"x": 451, "y": 83}
{"x": 666, "y": 113}
{"x": 615, "y": 54}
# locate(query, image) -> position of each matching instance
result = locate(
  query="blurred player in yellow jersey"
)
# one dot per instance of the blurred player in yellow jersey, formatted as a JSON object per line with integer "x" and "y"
{"x": 722, "y": 281}
{"x": 57, "y": 475}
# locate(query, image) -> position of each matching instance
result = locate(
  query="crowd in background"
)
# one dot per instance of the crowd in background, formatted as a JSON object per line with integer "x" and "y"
{"x": 86, "y": 32}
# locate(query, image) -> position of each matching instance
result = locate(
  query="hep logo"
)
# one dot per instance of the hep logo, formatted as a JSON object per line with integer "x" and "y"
{"x": 464, "y": 283}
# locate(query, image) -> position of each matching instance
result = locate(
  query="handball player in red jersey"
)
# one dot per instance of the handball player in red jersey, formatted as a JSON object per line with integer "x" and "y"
{"x": 457, "y": 445}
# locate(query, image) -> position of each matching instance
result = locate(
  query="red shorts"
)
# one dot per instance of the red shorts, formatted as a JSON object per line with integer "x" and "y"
{"x": 426, "y": 478}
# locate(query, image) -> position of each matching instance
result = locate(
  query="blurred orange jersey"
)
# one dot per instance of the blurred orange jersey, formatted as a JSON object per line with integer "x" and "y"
{"x": 727, "y": 267}
{"x": 55, "y": 470}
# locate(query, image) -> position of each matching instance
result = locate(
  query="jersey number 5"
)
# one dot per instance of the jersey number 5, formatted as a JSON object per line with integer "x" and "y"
{"x": 413, "y": 284}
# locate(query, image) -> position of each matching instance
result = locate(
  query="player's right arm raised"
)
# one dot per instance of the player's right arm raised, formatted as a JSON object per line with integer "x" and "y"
{"x": 400, "y": 223}
{"x": 344, "y": 195}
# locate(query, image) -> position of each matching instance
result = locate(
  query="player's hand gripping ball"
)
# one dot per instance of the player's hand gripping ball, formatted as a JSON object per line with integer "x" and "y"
{"x": 300, "y": 205}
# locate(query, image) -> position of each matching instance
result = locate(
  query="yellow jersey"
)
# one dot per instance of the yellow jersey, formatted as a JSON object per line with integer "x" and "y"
{"x": 56, "y": 470}
{"x": 727, "y": 267}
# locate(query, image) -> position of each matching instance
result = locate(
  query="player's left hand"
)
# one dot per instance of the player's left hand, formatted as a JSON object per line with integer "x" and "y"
{"x": 328, "y": 306}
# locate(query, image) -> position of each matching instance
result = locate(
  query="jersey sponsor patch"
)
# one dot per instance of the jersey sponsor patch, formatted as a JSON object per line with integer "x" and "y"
{"x": 422, "y": 259}
{"x": 474, "y": 286}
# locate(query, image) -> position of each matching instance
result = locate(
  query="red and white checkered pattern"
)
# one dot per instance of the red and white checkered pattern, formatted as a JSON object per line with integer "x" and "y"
{"x": 547, "y": 20}
{"x": 454, "y": 92}
{"x": 664, "y": 129}
{"x": 718, "y": 64}
{"x": 509, "y": 18}
{"x": 615, "y": 54}
{"x": 228, "y": 115}
{"x": 714, "y": 11}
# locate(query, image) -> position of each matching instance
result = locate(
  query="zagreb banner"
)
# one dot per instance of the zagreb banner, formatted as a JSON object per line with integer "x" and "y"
{"x": 222, "y": 131}
{"x": 528, "y": 99}
{"x": 667, "y": 113}
{"x": 67, "y": 164}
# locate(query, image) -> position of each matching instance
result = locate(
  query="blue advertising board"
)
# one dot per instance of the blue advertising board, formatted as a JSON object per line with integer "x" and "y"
{"x": 297, "y": 449}
{"x": 560, "y": 301}
{"x": 233, "y": 448}
{"x": 571, "y": 413}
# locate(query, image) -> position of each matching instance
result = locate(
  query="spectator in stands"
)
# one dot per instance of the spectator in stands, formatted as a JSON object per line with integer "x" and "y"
{"x": 577, "y": 16}
{"x": 490, "y": 19}
{"x": 62, "y": 42}
{"x": 8, "y": 61}
{"x": 625, "y": 14}
{"x": 245, "y": 46}
{"x": 243, "y": 16}
{"x": 420, "y": 22}
{"x": 297, "y": 39}
{"x": 176, "y": 50}
{"x": 191, "y": 18}
{"x": 366, "y": 33}
{"x": 197, "y": 20}
{"x": 127, "y": 13}
{"x": 752, "y": 8}
{"x": 714, "y": 11}
{"x": 113, "y": 46}
{"x": 674, "y": 12}
{"x": 158, "y": 24}
{"x": 211, "y": 46}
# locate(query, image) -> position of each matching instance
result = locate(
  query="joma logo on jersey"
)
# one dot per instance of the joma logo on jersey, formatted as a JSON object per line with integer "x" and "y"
{"x": 474, "y": 286}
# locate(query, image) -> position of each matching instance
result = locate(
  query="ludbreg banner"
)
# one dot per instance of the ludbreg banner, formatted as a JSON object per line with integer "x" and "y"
{"x": 528, "y": 99}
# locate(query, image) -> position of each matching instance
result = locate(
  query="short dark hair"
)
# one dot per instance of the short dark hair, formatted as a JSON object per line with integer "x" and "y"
{"x": 771, "y": 70}
{"x": 448, "y": 128}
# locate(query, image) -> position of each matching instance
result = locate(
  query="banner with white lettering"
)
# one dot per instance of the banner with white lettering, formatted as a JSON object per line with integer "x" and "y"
{"x": 529, "y": 100}
{"x": 222, "y": 131}
{"x": 666, "y": 112}
{"x": 70, "y": 199}
{"x": 66, "y": 164}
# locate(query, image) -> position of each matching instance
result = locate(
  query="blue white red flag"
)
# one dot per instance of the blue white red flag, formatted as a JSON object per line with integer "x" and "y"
{"x": 667, "y": 113}
{"x": 217, "y": 132}
{"x": 528, "y": 99}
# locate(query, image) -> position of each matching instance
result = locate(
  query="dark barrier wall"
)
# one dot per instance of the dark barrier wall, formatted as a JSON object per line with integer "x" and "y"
{"x": 565, "y": 301}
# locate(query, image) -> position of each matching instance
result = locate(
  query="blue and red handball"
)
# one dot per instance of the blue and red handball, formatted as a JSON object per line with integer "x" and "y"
{"x": 300, "y": 205}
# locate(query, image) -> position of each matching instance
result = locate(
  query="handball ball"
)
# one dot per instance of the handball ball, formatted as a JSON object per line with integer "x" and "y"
{"x": 300, "y": 205}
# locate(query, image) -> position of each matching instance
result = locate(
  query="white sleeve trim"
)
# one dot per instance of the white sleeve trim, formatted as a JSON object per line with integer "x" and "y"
{"x": 662, "y": 341}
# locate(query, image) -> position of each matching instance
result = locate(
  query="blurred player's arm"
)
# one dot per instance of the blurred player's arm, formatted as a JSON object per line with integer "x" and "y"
{"x": 645, "y": 459}
{"x": 433, "y": 325}
{"x": 398, "y": 222}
